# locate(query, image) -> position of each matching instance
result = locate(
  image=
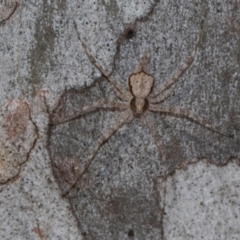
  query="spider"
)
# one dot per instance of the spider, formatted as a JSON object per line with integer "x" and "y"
{"x": 139, "y": 101}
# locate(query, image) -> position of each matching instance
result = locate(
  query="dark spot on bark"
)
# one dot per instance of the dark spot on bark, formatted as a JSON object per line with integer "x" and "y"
{"x": 131, "y": 233}
{"x": 130, "y": 33}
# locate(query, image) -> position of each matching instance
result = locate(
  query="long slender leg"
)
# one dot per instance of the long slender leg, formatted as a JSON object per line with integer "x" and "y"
{"x": 162, "y": 152}
{"x": 182, "y": 112}
{"x": 158, "y": 141}
{"x": 125, "y": 118}
{"x": 118, "y": 89}
{"x": 180, "y": 71}
{"x": 88, "y": 108}
{"x": 167, "y": 93}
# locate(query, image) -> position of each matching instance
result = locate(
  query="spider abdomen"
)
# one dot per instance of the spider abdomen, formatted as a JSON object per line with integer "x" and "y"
{"x": 138, "y": 105}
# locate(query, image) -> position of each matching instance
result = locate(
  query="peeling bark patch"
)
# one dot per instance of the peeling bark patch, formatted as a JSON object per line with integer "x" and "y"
{"x": 39, "y": 231}
{"x": 18, "y": 136}
{"x": 16, "y": 120}
{"x": 7, "y": 9}
{"x": 209, "y": 196}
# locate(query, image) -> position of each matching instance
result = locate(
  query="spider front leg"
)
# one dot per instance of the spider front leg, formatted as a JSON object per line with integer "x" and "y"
{"x": 176, "y": 76}
{"x": 88, "y": 108}
{"x": 126, "y": 118}
{"x": 122, "y": 93}
{"x": 181, "y": 112}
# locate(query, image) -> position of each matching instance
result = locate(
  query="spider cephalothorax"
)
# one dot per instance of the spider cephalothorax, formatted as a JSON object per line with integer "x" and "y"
{"x": 140, "y": 85}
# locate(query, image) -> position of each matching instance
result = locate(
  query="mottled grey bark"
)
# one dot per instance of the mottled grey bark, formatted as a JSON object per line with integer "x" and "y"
{"x": 127, "y": 192}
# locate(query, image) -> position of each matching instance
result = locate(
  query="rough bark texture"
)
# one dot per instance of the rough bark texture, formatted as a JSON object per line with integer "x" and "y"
{"x": 127, "y": 192}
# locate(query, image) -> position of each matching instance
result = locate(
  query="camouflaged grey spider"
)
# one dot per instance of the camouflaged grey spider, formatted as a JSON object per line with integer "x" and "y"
{"x": 139, "y": 101}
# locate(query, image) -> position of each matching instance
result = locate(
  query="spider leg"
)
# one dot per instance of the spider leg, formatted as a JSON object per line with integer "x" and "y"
{"x": 180, "y": 71}
{"x": 182, "y": 112}
{"x": 88, "y": 108}
{"x": 122, "y": 93}
{"x": 127, "y": 117}
{"x": 162, "y": 97}
{"x": 158, "y": 141}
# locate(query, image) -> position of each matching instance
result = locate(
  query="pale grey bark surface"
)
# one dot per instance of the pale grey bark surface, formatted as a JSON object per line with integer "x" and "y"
{"x": 45, "y": 74}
